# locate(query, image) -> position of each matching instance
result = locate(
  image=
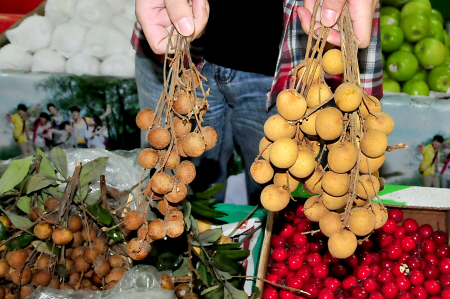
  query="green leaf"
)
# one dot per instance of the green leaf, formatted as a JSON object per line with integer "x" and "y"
{"x": 83, "y": 191}
{"x": 100, "y": 214}
{"x": 92, "y": 170}
{"x": 210, "y": 192}
{"x": 59, "y": 160}
{"x": 206, "y": 202}
{"x": 224, "y": 275}
{"x": 205, "y": 211}
{"x": 92, "y": 197}
{"x": 206, "y": 291}
{"x": 42, "y": 246}
{"x": 226, "y": 264}
{"x": 216, "y": 294}
{"x": 24, "y": 204}
{"x": 256, "y": 292}
{"x": 53, "y": 193}
{"x": 168, "y": 260}
{"x": 45, "y": 166}
{"x": 14, "y": 174}
{"x": 40, "y": 181}
{"x": 233, "y": 293}
{"x": 114, "y": 233}
{"x": 194, "y": 225}
{"x": 22, "y": 240}
{"x": 203, "y": 273}
{"x": 208, "y": 237}
{"x": 183, "y": 270}
{"x": 16, "y": 220}
{"x": 235, "y": 254}
{"x": 3, "y": 232}
{"x": 225, "y": 246}
{"x": 187, "y": 213}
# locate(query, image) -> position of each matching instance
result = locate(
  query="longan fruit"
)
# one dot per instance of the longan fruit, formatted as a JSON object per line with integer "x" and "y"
{"x": 193, "y": 145}
{"x": 183, "y": 103}
{"x": 156, "y": 229}
{"x": 35, "y": 213}
{"x": 92, "y": 233}
{"x": 371, "y": 103}
{"x": 133, "y": 220}
{"x": 210, "y": 137}
{"x": 164, "y": 206}
{"x": 151, "y": 194}
{"x": 68, "y": 253}
{"x": 359, "y": 202}
{"x": 368, "y": 186}
{"x": 24, "y": 292}
{"x": 332, "y": 62}
{"x": 314, "y": 146}
{"x": 74, "y": 223}
{"x": 186, "y": 76}
{"x": 308, "y": 125}
{"x": 342, "y": 244}
{"x": 179, "y": 146}
{"x": 283, "y": 152}
{"x": 17, "y": 258}
{"x": 330, "y": 223}
{"x": 174, "y": 213}
{"x": 90, "y": 254}
{"x": 43, "y": 230}
{"x": 81, "y": 265}
{"x": 137, "y": 249}
{"x": 335, "y": 184}
{"x": 5, "y": 220}
{"x": 54, "y": 283}
{"x": 142, "y": 234}
{"x": 21, "y": 276}
{"x": 281, "y": 178}
{"x": 148, "y": 158}
{"x": 264, "y": 145}
{"x": 159, "y": 138}
{"x": 41, "y": 277}
{"x": 167, "y": 282}
{"x": 115, "y": 260}
{"x": 178, "y": 193}
{"x": 4, "y": 267}
{"x": 115, "y": 275}
{"x": 314, "y": 78}
{"x": 277, "y": 127}
{"x": 77, "y": 252}
{"x": 103, "y": 269}
{"x": 182, "y": 289}
{"x": 181, "y": 127}
{"x": 343, "y": 158}
{"x": 78, "y": 239}
{"x": 304, "y": 164}
{"x": 203, "y": 225}
{"x": 70, "y": 265}
{"x": 51, "y": 204}
{"x": 380, "y": 121}
{"x": 334, "y": 202}
{"x": 44, "y": 261}
{"x": 332, "y": 143}
{"x": 50, "y": 219}
{"x": 374, "y": 143}
{"x": 275, "y": 198}
{"x": 261, "y": 171}
{"x": 374, "y": 163}
{"x": 361, "y": 221}
{"x": 110, "y": 285}
{"x": 62, "y": 236}
{"x": 145, "y": 118}
{"x": 318, "y": 93}
{"x": 314, "y": 208}
{"x": 186, "y": 172}
{"x": 348, "y": 97}
{"x": 290, "y": 104}
{"x": 100, "y": 243}
{"x": 173, "y": 227}
{"x": 381, "y": 216}
{"x": 329, "y": 123}
{"x": 314, "y": 181}
{"x": 191, "y": 295}
{"x": 172, "y": 161}
{"x": 162, "y": 183}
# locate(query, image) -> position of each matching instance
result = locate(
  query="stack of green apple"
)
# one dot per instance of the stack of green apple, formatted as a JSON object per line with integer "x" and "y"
{"x": 416, "y": 48}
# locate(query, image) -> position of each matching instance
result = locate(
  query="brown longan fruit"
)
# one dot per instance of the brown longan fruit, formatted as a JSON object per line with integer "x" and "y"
{"x": 62, "y": 236}
{"x": 343, "y": 158}
{"x": 335, "y": 184}
{"x": 210, "y": 137}
{"x": 342, "y": 244}
{"x": 181, "y": 290}
{"x": 167, "y": 282}
{"x": 332, "y": 62}
{"x": 181, "y": 127}
{"x": 261, "y": 171}
{"x": 44, "y": 261}
{"x": 110, "y": 285}
{"x": 156, "y": 229}
{"x": 368, "y": 186}
{"x": 142, "y": 233}
{"x": 162, "y": 183}
{"x": 172, "y": 161}
{"x": 34, "y": 214}
{"x": 51, "y": 204}
{"x": 75, "y": 223}
{"x": 191, "y": 295}
{"x": 308, "y": 125}
{"x": 264, "y": 147}
{"x": 21, "y": 276}
{"x": 173, "y": 226}
{"x": 17, "y": 258}
{"x": 380, "y": 121}
{"x": 77, "y": 252}
{"x": 334, "y": 202}
{"x": 145, "y": 118}
{"x": 177, "y": 194}
{"x": 54, "y": 283}
{"x": 102, "y": 269}
{"x": 186, "y": 172}
{"x": 314, "y": 181}
{"x": 186, "y": 76}
{"x": 179, "y": 146}
{"x": 4, "y": 268}
{"x": 164, "y": 206}
{"x": 43, "y": 230}
{"x": 159, "y": 138}
{"x": 90, "y": 254}
{"x": 348, "y": 97}
{"x": 290, "y": 104}
{"x": 318, "y": 93}
{"x": 330, "y": 223}
{"x": 274, "y": 198}
{"x": 374, "y": 143}
{"x": 137, "y": 249}
{"x": 183, "y": 103}
{"x": 283, "y": 152}
{"x": 329, "y": 123}
{"x": 115, "y": 260}
{"x": 314, "y": 208}
{"x": 373, "y": 163}
{"x": 133, "y": 220}
{"x": 277, "y": 127}
{"x": 148, "y": 158}
{"x": 68, "y": 253}
{"x": 304, "y": 164}
{"x": 70, "y": 265}
{"x": 74, "y": 278}
{"x": 381, "y": 215}
{"x": 194, "y": 145}
{"x": 81, "y": 265}
{"x": 282, "y": 177}
{"x": 371, "y": 103}
{"x": 78, "y": 239}
{"x": 66, "y": 286}
{"x": 41, "y": 277}
{"x": 361, "y": 221}
{"x": 100, "y": 243}
{"x": 115, "y": 275}
{"x": 24, "y": 291}
{"x": 174, "y": 213}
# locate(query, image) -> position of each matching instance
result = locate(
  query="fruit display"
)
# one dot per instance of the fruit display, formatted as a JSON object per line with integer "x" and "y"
{"x": 416, "y": 48}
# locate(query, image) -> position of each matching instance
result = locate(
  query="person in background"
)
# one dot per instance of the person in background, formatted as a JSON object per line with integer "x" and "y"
{"x": 430, "y": 163}
{"x": 81, "y": 127}
{"x": 56, "y": 118}
{"x": 63, "y": 138}
{"x": 21, "y": 132}
{"x": 446, "y": 169}
{"x": 97, "y": 139}
{"x": 41, "y": 133}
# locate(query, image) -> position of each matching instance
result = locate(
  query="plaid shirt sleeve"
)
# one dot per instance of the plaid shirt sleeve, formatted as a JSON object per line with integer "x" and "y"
{"x": 293, "y": 48}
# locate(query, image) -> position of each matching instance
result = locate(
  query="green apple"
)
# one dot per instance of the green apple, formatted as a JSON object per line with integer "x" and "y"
{"x": 415, "y": 8}
{"x": 436, "y": 30}
{"x": 439, "y": 79}
{"x": 402, "y": 66}
{"x": 383, "y": 60}
{"x": 390, "y": 11}
{"x": 389, "y": 20}
{"x": 385, "y": 75}
{"x": 435, "y": 14}
{"x": 407, "y": 47}
{"x": 446, "y": 39}
{"x": 416, "y": 88}
{"x": 420, "y": 75}
{"x": 390, "y": 85}
{"x": 415, "y": 27}
{"x": 430, "y": 52}
{"x": 391, "y": 38}
{"x": 447, "y": 58}
{"x": 395, "y": 3}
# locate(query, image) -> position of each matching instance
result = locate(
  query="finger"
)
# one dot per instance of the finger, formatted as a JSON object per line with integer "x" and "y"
{"x": 361, "y": 14}
{"x": 180, "y": 13}
{"x": 309, "y": 5}
{"x": 331, "y": 10}
{"x": 305, "y": 18}
{"x": 200, "y": 9}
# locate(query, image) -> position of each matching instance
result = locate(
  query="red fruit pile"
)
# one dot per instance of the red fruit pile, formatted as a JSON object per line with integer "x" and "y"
{"x": 400, "y": 260}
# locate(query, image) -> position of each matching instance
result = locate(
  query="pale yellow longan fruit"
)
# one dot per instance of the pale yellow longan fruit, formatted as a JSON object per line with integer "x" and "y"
{"x": 380, "y": 121}
{"x": 373, "y": 163}
{"x": 274, "y": 198}
{"x": 314, "y": 208}
{"x": 374, "y": 143}
{"x": 343, "y": 158}
{"x": 277, "y": 127}
{"x": 332, "y": 62}
{"x": 314, "y": 181}
{"x": 318, "y": 93}
{"x": 334, "y": 202}
{"x": 368, "y": 186}
{"x": 261, "y": 171}
{"x": 308, "y": 125}
{"x": 348, "y": 97}
{"x": 329, "y": 123}
{"x": 264, "y": 145}
{"x": 372, "y": 104}
{"x": 342, "y": 244}
{"x": 283, "y": 152}
{"x": 381, "y": 215}
{"x": 304, "y": 164}
{"x": 335, "y": 184}
{"x": 361, "y": 221}
{"x": 281, "y": 179}
{"x": 291, "y": 105}
{"x": 330, "y": 223}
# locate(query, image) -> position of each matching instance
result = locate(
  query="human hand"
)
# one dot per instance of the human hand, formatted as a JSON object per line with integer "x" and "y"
{"x": 361, "y": 14}
{"x": 157, "y": 16}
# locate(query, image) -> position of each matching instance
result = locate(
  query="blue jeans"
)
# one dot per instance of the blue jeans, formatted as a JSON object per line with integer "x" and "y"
{"x": 237, "y": 111}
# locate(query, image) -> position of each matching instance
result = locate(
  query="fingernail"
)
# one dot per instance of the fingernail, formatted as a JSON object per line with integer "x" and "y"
{"x": 329, "y": 17}
{"x": 317, "y": 32}
{"x": 185, "y": 26}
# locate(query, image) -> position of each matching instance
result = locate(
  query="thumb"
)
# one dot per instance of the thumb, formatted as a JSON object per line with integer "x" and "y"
{"x": 331, "y": 10}
{"x": 180, "y": 13}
